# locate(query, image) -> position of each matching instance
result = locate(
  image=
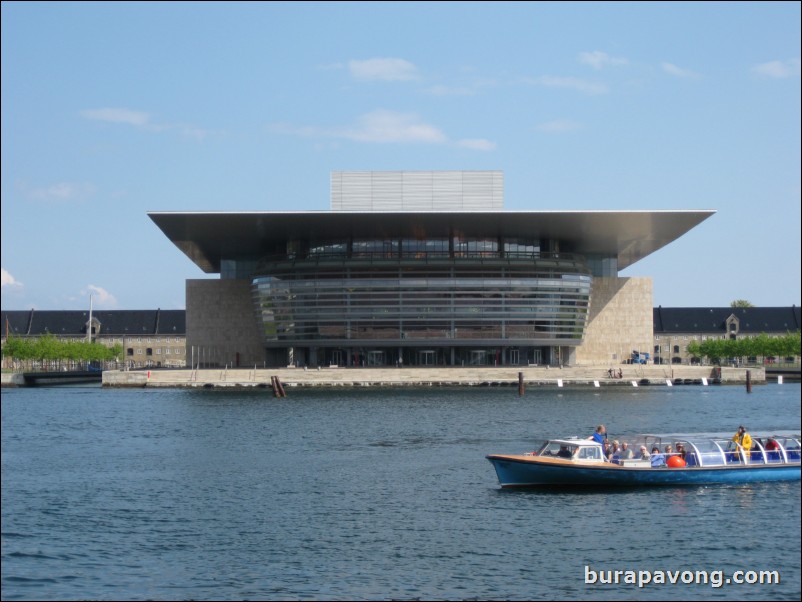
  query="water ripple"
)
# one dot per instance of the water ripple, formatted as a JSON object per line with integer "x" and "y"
{"x": 350, "y": 495}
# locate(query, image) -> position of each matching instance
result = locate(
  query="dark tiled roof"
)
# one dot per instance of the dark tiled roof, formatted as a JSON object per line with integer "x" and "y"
{"x": 752, "y": 320}
{"x": 112, "y": 322}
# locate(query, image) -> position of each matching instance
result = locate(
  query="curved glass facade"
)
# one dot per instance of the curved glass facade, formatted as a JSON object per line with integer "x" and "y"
{"x": 449, "y": 301}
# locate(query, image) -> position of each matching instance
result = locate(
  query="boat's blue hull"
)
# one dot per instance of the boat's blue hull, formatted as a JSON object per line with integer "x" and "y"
{"x": 528, "y": 472}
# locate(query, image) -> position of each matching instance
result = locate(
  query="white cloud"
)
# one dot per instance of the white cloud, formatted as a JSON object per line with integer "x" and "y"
{"x": 598, "y": 59}
{"x": 778, "y": 69}
{"x": 559, "y": 125}
{"x": 573, "y": 83}
{"x": 8, "y": 280}
{"x": 477, "y": 144}
{"x": 101, "y": 298}
{"x": 136, "y": 118}
{"x": 672, "y": 69}
{"x": 59, "y": 192}
{"x": 390, "y": 126}
{"x": 383, "y": 126}
{"x": 384, "y": 69}
{"x": 142, "y": 120}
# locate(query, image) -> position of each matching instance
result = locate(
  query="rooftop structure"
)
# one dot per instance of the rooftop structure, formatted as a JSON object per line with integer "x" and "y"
{"x": 417, "y": 190}
{"x": 74, "y": 323}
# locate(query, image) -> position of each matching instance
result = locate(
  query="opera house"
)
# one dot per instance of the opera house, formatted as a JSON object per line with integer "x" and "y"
{"x": 417, "y": 269}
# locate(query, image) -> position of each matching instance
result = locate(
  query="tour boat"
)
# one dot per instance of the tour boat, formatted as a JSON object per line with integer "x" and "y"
{"x": 705, "y": 458}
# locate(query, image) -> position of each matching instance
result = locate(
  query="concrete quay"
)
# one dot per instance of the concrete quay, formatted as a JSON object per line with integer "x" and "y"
{"x": 574, "y": 376}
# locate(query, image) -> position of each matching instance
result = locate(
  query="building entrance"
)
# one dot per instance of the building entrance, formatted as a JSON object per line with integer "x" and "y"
{"x": 515, "y": 357}
{"x": 338, "y": 357}
{"x": 375, "y": 358}
{"x": 427, "y": 357}
{"x": 478, "y": 357}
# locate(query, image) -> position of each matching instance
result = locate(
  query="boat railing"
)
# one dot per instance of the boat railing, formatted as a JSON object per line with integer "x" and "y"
{"x": 699, "y": 452}
{"x": 721, "y": 451}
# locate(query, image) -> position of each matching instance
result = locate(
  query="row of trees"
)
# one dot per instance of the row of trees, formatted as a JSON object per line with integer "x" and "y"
{"x": 49, "y": 348}
{"x": 763, "y": 345}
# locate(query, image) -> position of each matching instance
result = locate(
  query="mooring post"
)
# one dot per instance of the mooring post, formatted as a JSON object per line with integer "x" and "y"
{"x": 748, "y": 381}
{"x": 521, "y": 383}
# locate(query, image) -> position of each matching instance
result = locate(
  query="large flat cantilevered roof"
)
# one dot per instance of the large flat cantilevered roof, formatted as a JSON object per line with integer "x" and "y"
{"x": 209, "y": 237}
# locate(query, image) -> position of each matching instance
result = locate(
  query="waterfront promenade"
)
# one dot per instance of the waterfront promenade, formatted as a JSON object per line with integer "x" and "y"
{"x": 462, "y": 376}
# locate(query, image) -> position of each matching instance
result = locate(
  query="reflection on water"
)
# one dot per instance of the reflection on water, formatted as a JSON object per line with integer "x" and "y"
{"x": 365, "y": 494}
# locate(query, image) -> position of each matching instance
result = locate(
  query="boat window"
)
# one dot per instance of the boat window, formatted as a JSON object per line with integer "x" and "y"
{"x": 590, "y": 453}
{"x": 710, "y": 454}
{"x": 756, "y": 454}
{"x": 791, "y": 446}
{"x": 540, "y": 450}
{"x": 732, "y": 451}
{"x": 559, "y": 450}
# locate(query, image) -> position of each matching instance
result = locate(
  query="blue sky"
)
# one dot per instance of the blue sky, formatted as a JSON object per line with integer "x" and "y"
{"x": 113, "y": 110}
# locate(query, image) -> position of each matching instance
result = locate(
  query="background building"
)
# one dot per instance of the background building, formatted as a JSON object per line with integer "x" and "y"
{"x": 675, "y": 327}
{"x": 149, "y": 338}
{"x": 420, "y": 268}
{"x": 157, "y": 338}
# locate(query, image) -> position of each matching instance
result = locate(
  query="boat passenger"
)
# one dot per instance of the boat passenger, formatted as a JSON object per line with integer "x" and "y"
{"x": 626, "y": 453}
{"x": 564, "y": 452}
{"x": 615, "y": 449}
{"x": 743, "y": 439}
{"x": 773, "y": 453}
{"x": 681, "y": 451}
{"x": 658, "y": 459}
{"x": 668, "y": 450}
{"x": 644, "y": 453}
{"x": 600, "y": 435}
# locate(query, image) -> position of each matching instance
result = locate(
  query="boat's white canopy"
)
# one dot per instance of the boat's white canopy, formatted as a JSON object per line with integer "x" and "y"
{"x": 576, "y": 442}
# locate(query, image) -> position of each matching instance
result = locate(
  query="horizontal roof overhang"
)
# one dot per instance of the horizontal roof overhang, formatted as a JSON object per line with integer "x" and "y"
{"x": 209, "y": 237}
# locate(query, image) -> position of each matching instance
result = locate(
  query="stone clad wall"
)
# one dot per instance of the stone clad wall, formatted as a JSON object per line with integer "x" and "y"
{"x": 620, "y": 320}
{"x": 221, "y": 321}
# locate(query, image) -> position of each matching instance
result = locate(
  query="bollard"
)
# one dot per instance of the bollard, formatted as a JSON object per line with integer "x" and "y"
{"x": 521, "y": 388}
{"x": 748, "y": 381}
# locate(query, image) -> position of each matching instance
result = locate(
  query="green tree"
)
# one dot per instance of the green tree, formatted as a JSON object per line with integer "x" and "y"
{"x": 741, "y": 303}
{"x": 788, "y": 345}
{"x": 49, "y": 348}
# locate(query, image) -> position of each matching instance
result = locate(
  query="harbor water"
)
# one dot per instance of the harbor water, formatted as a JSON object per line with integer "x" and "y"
{"x": 373, "y": 494}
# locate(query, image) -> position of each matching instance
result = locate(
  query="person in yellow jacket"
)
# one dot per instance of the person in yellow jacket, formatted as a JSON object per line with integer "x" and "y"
{"x": 744, "y": 439}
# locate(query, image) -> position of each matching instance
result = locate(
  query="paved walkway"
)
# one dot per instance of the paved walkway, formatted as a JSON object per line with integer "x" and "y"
{"x": 397, "y": 377}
